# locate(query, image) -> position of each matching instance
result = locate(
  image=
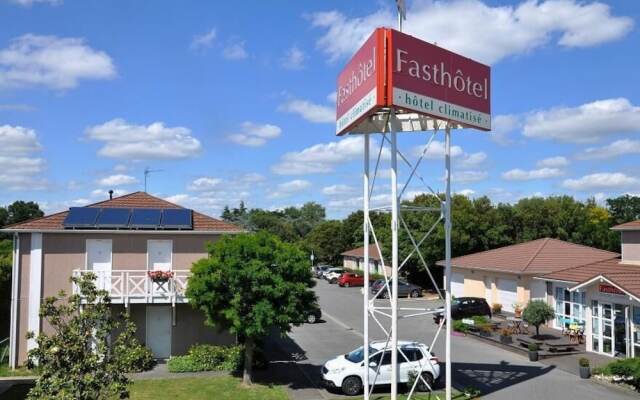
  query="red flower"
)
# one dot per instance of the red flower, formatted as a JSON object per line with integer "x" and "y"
{"x": 160, "y": 276}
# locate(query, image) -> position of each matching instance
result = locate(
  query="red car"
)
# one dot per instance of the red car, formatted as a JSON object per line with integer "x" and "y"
{"x": 350, "y": 279}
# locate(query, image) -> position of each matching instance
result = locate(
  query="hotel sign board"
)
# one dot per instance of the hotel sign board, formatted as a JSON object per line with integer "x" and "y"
{"x": 414, "y": 76}
{"x": 610, "y": 289}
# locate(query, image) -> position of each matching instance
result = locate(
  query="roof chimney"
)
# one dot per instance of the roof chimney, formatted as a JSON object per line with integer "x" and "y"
{"x": 110, "y": 194}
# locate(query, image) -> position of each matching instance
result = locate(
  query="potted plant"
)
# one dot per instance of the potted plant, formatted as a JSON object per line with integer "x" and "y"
{"x": 533, "y": 352}
{"x": 585, "y": 370}
{"x": 160, "y": 276}
{"x": 485, "y": 330}
{"x": 517, "y": 310}
{"x": 505, "y": 336}
{"x": 496, "y": 308}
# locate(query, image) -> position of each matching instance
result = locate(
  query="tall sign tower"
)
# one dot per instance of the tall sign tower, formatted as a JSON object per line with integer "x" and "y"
{"x": 396, "y": 83}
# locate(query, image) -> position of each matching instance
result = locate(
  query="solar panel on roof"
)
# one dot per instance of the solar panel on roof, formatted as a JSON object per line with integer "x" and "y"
{"x": 114, "y": 218}
{"x": 148, "y": 218}
{"x": 177, "y": 218}
{"x": 81, "y": 217}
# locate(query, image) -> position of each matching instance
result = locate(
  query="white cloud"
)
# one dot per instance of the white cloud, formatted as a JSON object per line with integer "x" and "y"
{"x": 463, "y": 160}
{"x": 586, "y": 123}
{"x": 204, "y": 183}
{"x": 454, "y": 25}
{"x": 293, "y": 59}
{"x": 234, "y": 50}
{"x": 138, "y": 142}
{"x": 310, "y": 111}
{"x": 502, "y": 126}
{"x": 553, "y": 162}
{"x": 471, "y": 160}
{"x": 541, "y": 173}
{"x": 338, "y": 190}
{"x": 50, "y": 61}
{"x": 601, "y": 181}
{"x": 466, "y": 192}
{"x": 469, "y": 176}
{"x": 615, "y": 149}
{"x": 16, "y": 107}
{"x": 203, "y": 41}
{"x": 254, "y": 135}
{"x": 20, "y": 168}
{"x": 320, "y": 158}
{"x": 29, "y": 3}
{"x": 117, "y": 180}
{"x": 332, "y": 97}
{"x": 290, "y": 188}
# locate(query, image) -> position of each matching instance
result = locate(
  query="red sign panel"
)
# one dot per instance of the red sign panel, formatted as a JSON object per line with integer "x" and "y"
{"x": 393, "y": 69}
{"x": 360, "y": 84}
{"x": 430, "y": 80}
{"x": 609, "y": 289}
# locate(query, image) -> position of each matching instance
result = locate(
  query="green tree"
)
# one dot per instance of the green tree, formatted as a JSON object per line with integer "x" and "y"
{"x": 327, "y": 242}
{"x": 76, "y": 361}
{"x": 249, "y": 284}
{"x": 537, "y": 313}
{"x": 624, "y": 208}
{"x": 20, "y": 211}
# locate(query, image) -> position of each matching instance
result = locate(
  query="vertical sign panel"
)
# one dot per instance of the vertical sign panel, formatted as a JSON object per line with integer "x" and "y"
{"x": 360, "y": 84}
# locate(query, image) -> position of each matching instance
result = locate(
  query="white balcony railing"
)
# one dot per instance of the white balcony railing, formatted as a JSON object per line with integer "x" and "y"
{"x": 135, "y": 286}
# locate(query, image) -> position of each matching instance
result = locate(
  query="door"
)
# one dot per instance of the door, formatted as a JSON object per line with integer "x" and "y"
{"x": 457, "y": 284}
{"x": 385, "y": 369}
{"x": 507, "y": 293}
{"x": 488, "y": 290}
{"x": 620, "y": 331}
{"x": 607, "y": 328}
{"x": 99, "y": 259}
{"x": 159, "y": 330}
{"x": 159, "y": 255}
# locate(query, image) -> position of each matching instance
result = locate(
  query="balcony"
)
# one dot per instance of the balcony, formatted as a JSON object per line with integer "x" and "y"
{"x": 135, "y": 286}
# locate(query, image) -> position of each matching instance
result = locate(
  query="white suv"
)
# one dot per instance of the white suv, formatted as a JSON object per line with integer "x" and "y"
{"x": 333, "y": 274}
{"x": 347, "y": 371}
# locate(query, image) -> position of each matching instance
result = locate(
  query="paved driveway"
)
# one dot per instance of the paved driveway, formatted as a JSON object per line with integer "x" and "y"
{"x": 498, "y": 373}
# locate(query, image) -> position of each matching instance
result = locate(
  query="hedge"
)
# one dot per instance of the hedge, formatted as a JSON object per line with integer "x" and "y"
{"x": 206, "y": 357}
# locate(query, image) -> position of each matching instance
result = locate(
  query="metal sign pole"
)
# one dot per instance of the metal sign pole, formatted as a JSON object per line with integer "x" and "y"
{"x": 394, "y": 262}
{"x": 366, "y": 266}
{"x": 447, "y": 273}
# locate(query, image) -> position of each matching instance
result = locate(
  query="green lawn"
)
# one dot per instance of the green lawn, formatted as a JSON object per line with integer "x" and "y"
{"x": 222, "y": 388}
{"x": 6, "y": 371}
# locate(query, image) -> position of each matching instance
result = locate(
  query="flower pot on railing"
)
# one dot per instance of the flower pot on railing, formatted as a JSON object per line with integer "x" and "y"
{"x": 160, "y": 276}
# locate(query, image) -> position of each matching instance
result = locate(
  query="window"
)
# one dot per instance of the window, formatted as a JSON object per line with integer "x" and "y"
{"x": 570, "y": 307}
{"x": 412, "y": 354}
{"x": 386, "y": 359}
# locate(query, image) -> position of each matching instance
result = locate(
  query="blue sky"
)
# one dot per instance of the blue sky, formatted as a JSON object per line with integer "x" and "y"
{"x": 233, "y": 100}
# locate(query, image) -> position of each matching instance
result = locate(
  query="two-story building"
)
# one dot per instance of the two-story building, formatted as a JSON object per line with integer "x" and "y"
{"x": 120, "y": 240}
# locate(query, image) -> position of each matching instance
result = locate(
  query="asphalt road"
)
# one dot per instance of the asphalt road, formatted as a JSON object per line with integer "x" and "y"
{"x": 498, "y": 373}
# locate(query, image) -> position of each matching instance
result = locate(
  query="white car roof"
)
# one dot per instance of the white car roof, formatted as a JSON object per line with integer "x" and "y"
{"x": 379, "y": 345}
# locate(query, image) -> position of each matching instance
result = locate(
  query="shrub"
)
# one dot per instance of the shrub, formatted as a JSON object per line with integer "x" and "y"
{"x": 537, "y": 313}
{"x": 583, "y": 362}
{"x": 505, "y": 332}
{"x": 460, "y": 326}
{"x": 205, "y": 357}
{"x": 372, "y": 275}
{"x": 496, "y": 308}
{"x": 629, "y": 367}
{"x": 533, "y": 347}
{"x": 480, "y": 320}
{"x": 138, "y": 359}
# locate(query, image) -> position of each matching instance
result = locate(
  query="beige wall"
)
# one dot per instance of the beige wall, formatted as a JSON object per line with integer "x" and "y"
{"x": 631, "y": 246}
{"x": 475, "y": 282}
{"x": 64, "y": 252}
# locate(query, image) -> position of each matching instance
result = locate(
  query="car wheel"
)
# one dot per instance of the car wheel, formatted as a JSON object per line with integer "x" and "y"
{"x": 312, "y": 319}
{"x": 428, "y": 378}
{"x": 386, "y": 295}
{"x": 346, "y": 284}
{"x": 351, "y": 386}
{"x": 333, "y": 281}
{"x": 414, "y": 294}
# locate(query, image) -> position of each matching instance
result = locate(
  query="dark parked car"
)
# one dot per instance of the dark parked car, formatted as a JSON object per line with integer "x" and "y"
{"x": 313, "y": 315}
{"x": 465, "y": 307}
{"x": 405, "y": 289}
{"x": 321, "y": 269}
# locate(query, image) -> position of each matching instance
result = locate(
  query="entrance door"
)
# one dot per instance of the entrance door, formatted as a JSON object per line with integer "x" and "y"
{"x": 619, "y": 331}
{"x": 607, "y": 328}
{"x": 99, "y": 261}
{"x": 159, "y": 330}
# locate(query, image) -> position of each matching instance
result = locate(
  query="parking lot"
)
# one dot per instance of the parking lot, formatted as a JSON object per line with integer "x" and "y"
{"x": 497, "y": 373}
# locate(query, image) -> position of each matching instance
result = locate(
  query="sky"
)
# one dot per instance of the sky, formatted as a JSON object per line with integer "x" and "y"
{"x": 230, "y": 101}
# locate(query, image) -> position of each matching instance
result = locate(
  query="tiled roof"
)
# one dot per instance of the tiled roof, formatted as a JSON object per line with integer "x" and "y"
{"x": 534, "y": 257}
{"x": 633, "y": 225}
{"x": 54, "y": 222}
{"x": 627, "y": 276}
{"x": 359, "y": 252}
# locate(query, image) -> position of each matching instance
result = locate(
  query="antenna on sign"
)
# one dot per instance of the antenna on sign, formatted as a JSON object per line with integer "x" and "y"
{"x": 402, "y": 12}
{"x": 147, "y": 171}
